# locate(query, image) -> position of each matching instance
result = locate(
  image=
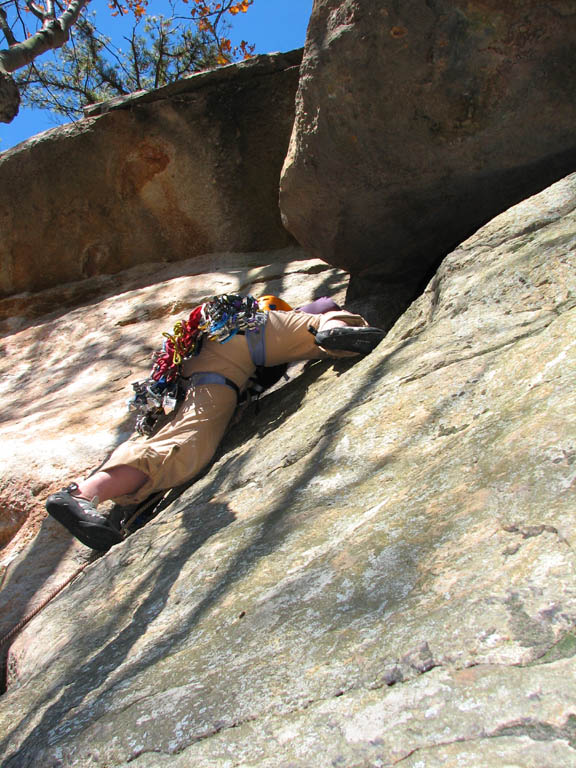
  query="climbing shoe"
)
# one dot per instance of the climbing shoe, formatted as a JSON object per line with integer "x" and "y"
{"x": 79, "y": 516}
{"x": 350, "y": 339}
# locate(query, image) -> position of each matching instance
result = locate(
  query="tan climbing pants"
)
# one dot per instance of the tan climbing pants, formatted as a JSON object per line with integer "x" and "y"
{"x": 184, "y": 446}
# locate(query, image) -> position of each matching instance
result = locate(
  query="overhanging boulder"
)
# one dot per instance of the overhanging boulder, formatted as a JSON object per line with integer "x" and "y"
{"x": 419, "y": 121}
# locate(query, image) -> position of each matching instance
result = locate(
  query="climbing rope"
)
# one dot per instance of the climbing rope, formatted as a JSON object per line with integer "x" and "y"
{"x": 29, "y": 616}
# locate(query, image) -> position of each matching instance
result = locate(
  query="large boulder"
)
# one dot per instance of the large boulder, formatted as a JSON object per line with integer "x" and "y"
{"x": 419, "y": 121}
{"x": 182, "y": 171}
{"x": 378, "y": 570}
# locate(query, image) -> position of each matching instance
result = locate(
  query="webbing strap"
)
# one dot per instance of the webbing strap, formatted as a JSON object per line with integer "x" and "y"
{"x": 256, "y": 340}
{"x": 198, "y": 379}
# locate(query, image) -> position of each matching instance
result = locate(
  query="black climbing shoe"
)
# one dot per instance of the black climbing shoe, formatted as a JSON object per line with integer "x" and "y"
{"x": 79, "y": 516}
{"x": 350, "y": 339}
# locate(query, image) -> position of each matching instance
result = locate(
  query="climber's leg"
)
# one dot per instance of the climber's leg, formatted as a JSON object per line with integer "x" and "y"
{"x": 111, "y": 483}
{"x": 177, "y": 452}
{"x": 293, "y": 336}
{"x": 335, "y": 323}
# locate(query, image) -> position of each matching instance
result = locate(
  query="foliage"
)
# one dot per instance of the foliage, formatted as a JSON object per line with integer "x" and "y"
{"x": 90, "y": 67}
{"x": 209, "y": 16}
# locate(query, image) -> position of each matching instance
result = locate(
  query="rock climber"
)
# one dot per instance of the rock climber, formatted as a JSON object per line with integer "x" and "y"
{"x": 226, "y": 340}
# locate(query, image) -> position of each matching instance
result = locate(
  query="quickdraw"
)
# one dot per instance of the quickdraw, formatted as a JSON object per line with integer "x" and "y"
{"x": 224, "y": 316}
{"x": 183, "y": 342}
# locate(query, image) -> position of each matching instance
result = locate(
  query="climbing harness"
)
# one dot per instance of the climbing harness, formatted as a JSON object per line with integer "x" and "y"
{"x": 219, "y": 319}
{"x": 199, "y": 379}
{"x": 256, "y": 344}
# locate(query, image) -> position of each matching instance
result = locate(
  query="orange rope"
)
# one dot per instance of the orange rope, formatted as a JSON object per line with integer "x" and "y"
{"x": 29, "y": 616}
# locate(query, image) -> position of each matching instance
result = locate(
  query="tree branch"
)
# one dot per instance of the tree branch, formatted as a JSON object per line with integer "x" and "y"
{"x": 92, "y": 68}
{"x": 53, "y": 34}
{"x": 5, "y": 27}
{"x": 160, "y": 57}
{"x": 18, "y": 10}
{"x": 70, "y": 15}
{"x": 33, "y": 8}
{"x": 135, "y": 59}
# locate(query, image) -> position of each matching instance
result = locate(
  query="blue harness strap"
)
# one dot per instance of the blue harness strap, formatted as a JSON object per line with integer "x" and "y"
{"x": 256, "y": 340}
{"x": 198, "y": 379}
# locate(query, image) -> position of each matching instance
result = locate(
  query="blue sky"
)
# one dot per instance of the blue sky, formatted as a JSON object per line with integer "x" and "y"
{"x": 272, "y": 25}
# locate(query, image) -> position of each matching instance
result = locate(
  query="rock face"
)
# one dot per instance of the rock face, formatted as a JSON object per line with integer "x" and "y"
{"x": 419, "y": 121}
{"x": 379, "y": 568}
{"x": 187, "y": 170}
{"x": 67, "y": 379}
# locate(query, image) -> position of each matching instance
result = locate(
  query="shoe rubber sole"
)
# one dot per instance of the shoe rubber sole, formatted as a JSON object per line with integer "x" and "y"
{"x": 95, "y": 535}
{"x": 362, "y": 340}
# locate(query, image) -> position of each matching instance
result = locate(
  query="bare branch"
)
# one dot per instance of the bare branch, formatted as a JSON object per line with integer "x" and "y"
{"x": 135, "y": 59}
{"x": 36, "y": 10}
{"x": 160, "y": 57}
{"x": 20, "y": 18}
{"x": 5, "y": 27}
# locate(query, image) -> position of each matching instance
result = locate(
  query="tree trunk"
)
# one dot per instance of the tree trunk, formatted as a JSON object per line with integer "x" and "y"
{"x": 9, "y": 98}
